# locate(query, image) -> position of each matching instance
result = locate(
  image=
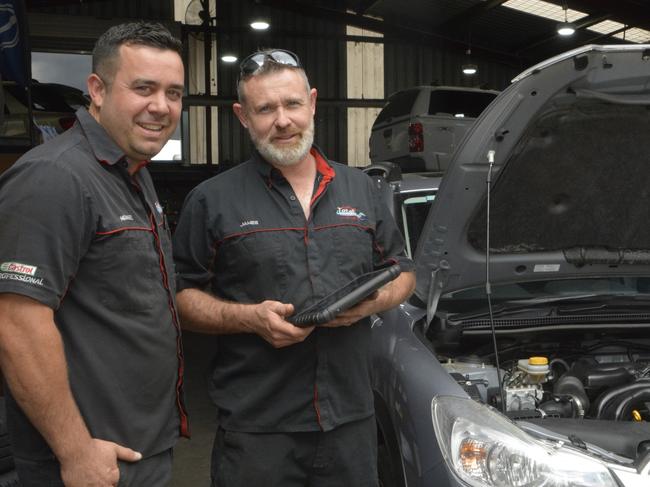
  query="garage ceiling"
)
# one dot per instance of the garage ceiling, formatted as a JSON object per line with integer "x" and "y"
{"x": 490, "y": 27}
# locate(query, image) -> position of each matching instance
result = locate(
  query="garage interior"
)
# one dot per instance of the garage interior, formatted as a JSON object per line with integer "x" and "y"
{"x": 355, "y": 52}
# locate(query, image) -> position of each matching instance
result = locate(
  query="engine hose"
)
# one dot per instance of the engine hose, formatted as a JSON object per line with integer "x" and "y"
{"x": 612, "y": 395}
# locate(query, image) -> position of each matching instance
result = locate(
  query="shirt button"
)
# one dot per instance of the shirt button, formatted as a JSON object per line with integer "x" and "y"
{"x": 292, "y": 198}
{"x": 124, "y": 164}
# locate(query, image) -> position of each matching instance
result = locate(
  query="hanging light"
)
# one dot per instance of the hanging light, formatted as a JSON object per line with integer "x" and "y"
{"x": 259, "y": 24}
{"x": 259, "y": 20}
{"x": 229, "y": 58}
{"x": 565, "y": 28}
{"x": 469, "y": 68}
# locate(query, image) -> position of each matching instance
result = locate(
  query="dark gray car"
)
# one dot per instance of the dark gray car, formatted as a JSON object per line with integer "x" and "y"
{"x": 523, "y": 359}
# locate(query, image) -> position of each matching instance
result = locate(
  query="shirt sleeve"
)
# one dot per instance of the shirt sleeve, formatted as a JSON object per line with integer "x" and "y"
{"x": 388, "y": 245}
{"x": 44, "y": 215}
{"x": 192, "y": 245}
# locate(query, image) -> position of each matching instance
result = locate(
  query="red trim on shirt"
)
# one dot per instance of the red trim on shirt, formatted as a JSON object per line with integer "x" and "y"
{"x": 124, "y": 229}
{"x": 333, "y": 225}
{"x": 182, "y": 413}
{"x": 240, "y": 234}
{"x": 325, "y": 170}
{"x": 316, "y": 406}
{"x": 139, "y": 166}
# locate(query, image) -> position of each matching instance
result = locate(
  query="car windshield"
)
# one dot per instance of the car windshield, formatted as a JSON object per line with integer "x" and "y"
{"x": 414, "y": 211}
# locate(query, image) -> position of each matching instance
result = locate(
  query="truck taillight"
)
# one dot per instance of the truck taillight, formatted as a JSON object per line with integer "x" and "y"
{"x": 416, "y": 137}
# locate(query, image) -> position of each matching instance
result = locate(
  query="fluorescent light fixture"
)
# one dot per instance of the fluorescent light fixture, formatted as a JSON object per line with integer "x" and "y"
{"x": 470, "y": 69}
{"x": 545, "y": 9}
{"x": 566, "y": 29}
{"x": 635, "y": 34}
{"x": 229, "y": 58}
{"x": 260, "y": 25}
{"x": 459, "y": 115}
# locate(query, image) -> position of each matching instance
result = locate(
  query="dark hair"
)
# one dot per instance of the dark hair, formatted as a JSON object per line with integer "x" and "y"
{"x": 151, "y": 34}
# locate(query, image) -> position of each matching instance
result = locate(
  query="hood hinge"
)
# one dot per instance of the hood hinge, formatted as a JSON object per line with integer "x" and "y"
{"x": 438, "y": 280}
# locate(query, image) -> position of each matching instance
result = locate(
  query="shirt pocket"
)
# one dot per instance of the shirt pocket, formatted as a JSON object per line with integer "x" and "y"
{"x": 252, "y": 267}
{"x": 129, "y": 270}
{"x": 354, "y": 248}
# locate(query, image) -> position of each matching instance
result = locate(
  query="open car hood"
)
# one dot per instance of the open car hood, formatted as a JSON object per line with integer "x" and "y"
{"x": 569, "y": 183}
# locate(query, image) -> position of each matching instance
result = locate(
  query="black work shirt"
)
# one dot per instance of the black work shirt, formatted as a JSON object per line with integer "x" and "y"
{"x": 82, "y": 236}
{"x": 243, "y": 237}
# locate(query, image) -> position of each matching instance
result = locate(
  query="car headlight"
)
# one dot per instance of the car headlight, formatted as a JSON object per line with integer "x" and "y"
{"x": 485, "y": 449}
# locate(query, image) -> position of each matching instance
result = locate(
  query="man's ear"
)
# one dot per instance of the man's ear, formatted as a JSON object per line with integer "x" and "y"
{"x": 241, "y": 114}
{"x": 96, "y": 89}
{"x": 313, "y": 94}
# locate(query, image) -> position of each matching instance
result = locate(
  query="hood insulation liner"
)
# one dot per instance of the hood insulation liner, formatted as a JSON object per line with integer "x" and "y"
{"x": 579, "y": 179}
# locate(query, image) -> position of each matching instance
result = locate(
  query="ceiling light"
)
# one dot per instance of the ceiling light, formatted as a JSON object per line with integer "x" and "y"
{"x": 229, "y": 58}
{"x": 470, "y": 69}
{"x": 260, "y": 25}
{"x": 566, "y": 28}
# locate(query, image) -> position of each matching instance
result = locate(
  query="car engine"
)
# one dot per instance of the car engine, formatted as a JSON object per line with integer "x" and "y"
{"x": 612, "y": 384}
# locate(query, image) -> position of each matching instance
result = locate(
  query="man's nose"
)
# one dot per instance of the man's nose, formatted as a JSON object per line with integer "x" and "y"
{"x": 282, "y": 120}
{"x": 158, "y": 103}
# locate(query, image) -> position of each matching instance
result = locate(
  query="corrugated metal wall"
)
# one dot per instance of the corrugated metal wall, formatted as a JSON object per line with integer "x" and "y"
{"x": 408, "y": 65}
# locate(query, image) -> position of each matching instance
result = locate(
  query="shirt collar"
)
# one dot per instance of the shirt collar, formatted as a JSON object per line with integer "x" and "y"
{"x": 102, "y": 145}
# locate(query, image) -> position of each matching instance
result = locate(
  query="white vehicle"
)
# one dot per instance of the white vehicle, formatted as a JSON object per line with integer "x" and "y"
{"x": 419, "y": 128}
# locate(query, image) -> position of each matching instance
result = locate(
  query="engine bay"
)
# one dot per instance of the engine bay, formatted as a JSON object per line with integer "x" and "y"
{"x": 592, "y": 388}
{"x": 596, "y": 379}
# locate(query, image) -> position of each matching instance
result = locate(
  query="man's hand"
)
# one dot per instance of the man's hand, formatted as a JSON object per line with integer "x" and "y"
{"x": 349, "y": 317}
{"x": 96, "y": 464}
{"x": 271, "y": 325}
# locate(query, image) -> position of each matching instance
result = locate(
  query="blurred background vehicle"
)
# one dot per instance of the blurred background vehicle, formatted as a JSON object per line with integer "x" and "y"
{"x": 53, "y": 107}
{"x": 420, "y": 127}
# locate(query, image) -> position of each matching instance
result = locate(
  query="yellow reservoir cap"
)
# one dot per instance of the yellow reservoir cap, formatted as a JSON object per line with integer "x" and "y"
{"x": 636, "y": 415}
{"x": 538, "y": 361}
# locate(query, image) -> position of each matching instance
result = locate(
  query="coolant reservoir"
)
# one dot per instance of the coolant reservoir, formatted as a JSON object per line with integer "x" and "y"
{"x": 535, "y": 367}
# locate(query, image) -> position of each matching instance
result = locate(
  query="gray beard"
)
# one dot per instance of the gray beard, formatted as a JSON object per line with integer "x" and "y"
{"x": 286, "y": 156}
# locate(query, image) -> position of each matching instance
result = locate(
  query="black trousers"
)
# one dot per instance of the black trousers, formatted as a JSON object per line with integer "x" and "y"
{"x": 343, "y": 457}
{"x": 155, "y": 471}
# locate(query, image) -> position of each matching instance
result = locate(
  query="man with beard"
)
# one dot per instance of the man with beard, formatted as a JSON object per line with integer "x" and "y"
{"x": 270, "y": 236}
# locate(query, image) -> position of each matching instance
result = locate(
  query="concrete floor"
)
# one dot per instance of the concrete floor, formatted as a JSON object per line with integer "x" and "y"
{"x": 192, "y": 457}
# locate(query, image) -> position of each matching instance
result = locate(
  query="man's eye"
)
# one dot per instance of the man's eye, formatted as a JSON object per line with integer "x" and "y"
{"x": 174, "y": 95}
{"x": 264, "y": 109}
{"x": 143, "y": 90}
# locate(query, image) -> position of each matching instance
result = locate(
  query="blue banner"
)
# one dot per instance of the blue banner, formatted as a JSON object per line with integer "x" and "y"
{"x": 13, "y": 50}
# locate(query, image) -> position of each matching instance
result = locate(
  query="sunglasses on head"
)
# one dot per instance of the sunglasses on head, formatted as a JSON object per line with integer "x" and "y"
{"x": 256, "y": 60}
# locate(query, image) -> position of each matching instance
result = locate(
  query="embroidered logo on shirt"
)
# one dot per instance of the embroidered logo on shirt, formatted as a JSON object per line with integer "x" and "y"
{"x": 15, "y": 271}
{"x": 349, "y": 212}
{"x": 248, "y": 223}
{"x": 18, "y": 268}
{"x": 124, "y": 218}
